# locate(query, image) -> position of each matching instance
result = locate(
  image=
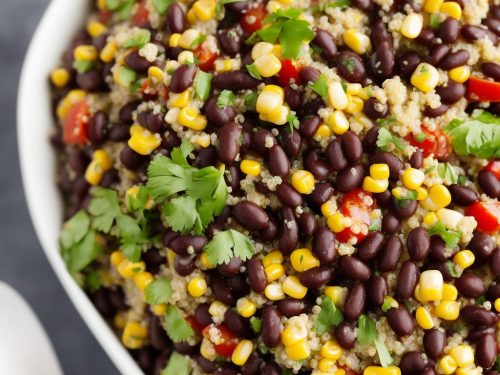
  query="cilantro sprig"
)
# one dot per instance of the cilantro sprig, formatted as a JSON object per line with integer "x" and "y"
{"x": 320, "y": 86}
{"x": 161, "y": 6}
{"x": 450, "y": 237}
{"x": 203, "y": 85}
{"x": 386, "y": 141}
{"x": 228, "y": 244}
{"x": 226, "y": 98}
{"x": 178, "y": 364}
{"x": 368, "y": 335}
{"x": 448, "y": 172}
{"x": 330, "y": 315}
{"x": 159, "y": 291}
{"x": 141, "y": 38}
{"x": 177, "y": 328}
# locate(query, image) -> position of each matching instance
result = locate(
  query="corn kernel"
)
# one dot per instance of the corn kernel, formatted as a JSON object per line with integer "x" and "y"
{"x": 185, "y": 57}
{"x": 430, "y": 219}
{"x": 276, "y": 89}
{"x": 95, "y": 28}
{"x": 292, "y": 287}
{"x": 187, "y": 116}
{"x": 303, "y": 260}
{"x": 199, "y": 124}
{"x": 94, "y": 173}
{"x": 274, "y": 272}
{"x": 323, "y": 131}
{"x": 143, "y": 279}
{"x": 274, "y": 257}
{"x": 101, "y": 4}
{"x": 204, "y": 9}
{"x": 267, "y": 65}
{"x": 450, "y": 292}
{"x": 355, "y": 105}
{"x": 464, "y": 259}
{"x": 72, "y": 98}
{"x": 336, "y": 222}
{"x": 59, "y": 77}
{"x": 421, "y": 193}
{"x": 260, "y": 49}
{"x": 357, "y": 41}
{"x": 326, "y": 365}
{"x": 207, "y": 350}
{"x": 449, "y": 218}
{"x": 159, "y": 309}
{"x": 447, "y": 365}
{"x": 298, "y": 351}
{"x": 155, "y": 74}
{"x": 379, "y": 171}
{"x": 377, "y": 370}
{"x": 268, "y": 101}
{"x": 331, "y": 350}
{"x": 293, "y": 334}
{"x": 278, "y": 116}
{"x": 337, "y": 97}
{"x": 197, "y": 287}
{"x": 119, "y": 320}
{"x": 242, "y": 352}
{"x": 452, "y": 9}
{"x": 274, "y": 292}
{"x": 375, "y": 186}
{"x": 412, "y": 25}
{"x": 85, "y": 53}
{"x": 413, "y": 178}
{"x": 448, "y": 310}
{"x": 191, "y": 16}
{"x": 338, "y": 122}
{"x": 460, "y": 74}
{"x": 329, "y": 208}
{"x": 180, "y": 100}
{"x": 134, "y": 335}
{"x": 108, "y": 52}
{"x": 188, "y": 37}
{"x": 217, "y": 309}
{"x": 432, "y": 6}
{"x": 337, "y": 294}
{"x": 116, "y": 258}
{"x": 439, "y": 197}
{"x": 174, "y": 40}
{"x": 128, "y": 269}
{"x": 245, "y": 307}
{"x": 205, "y": 262}
{"x": 222, "y": 66}
{"x": 250, "y": 167}
{"x": 143, "y": 141}
{"x": 469, "y": 371}
{"x": 497, "y": 304}
{"x": 425, "y": 77}
{"x": 431, "y": 285}
{"x": 463, "y": 355}
{"x": 424, "y": 318}
{"x": 303, "y": 181}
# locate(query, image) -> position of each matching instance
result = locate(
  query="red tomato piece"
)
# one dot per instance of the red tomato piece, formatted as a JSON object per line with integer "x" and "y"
{"x": 487, "y": 215}
{"x": 481, "y": 90}
{"x": 435, "y": 142}
{"x": 348, "y": 371}
{"x": 141, "y": 15}
{"x": 104, "y": 16}
{"x": 75, "y": 124}
{"x": 354, "y": 207}
{"x": 288, "y": 72}
{"x": 205, "y": 57}
{"x": 226, "y": 344}
{"x": 252, "y": 20}
{"x": 494, "y": 167}
{"x": 194, "y": 324}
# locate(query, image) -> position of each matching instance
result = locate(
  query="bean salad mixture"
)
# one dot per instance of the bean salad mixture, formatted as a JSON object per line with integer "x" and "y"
{"x": 286, "y": 186}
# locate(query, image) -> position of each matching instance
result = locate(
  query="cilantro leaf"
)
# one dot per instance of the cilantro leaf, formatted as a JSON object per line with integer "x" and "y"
{"x": 159, "y": 291}
{"x": 450, "y": 237}
{"x": 178, "y": 364}
{"x": 166, "y": 178}
{"x": 225, "y": 99}
{"x": 450, "y": 266}
{"x": 93, "y": 281}
{"x": 252, "y": 70}
{"x": 367, "y": 331}
{"x": 293, "y": 122}
{"x": 383, "y": 354}
{"x": 126, "y": 76}
{"x": 420, "y": 137}
{"x": 375, "y": 225}
{"x": 387, "y": 304}
{"x": 385, "y": 121}
{"x": 161, "y": 6}
{"x": 435, "y": 20}
{"x": 448, "y": 172}
{"x": 123, "y": 8}
{"x": 250, "y": 101}
{"x": 138, "y": 40}
{"x": 221, "y": 3}
{"x": 330, "y": 315}
{"x": 75, "y": 229}
{"x": 105, "y": 208}
{"x": 386, "y": 141}
{"x": 410, "y": 195}
{"x": 320, "y": 86}
{"x": 181, "y": 213}
{"x": 228, "y": 244}
{"x": 331, "y": 4}
{"x": 203, "y": 85}
{"x": 83, "y": 66}
{"x": 256, "y": 324}
{"x": 198, "y": 40}
{"x": 177, "y": 328}
{"x": 81, "y": 254}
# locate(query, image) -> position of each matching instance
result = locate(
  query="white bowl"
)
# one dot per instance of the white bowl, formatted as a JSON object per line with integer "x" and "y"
{"x": 61, "y": 21}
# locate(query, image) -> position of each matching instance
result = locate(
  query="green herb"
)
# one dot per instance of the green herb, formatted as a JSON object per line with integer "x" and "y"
{"x": 161, "y": 6}
{"x": 330, "y": 315}
{"x": 203, "y": 85}
{"x": 367, "y": 331}
{"x": 177, "y": 328}
{"x": 450, "y": 237}
{"x": 387, "y": 304}
{"x": 140, "y": 38}
{"x": 383, "y": 354}
{"x": 256, "y": 324}
{"x": 430, "y": 169}
{"x": 480, "y": 300}
{"x": 285, "y": 26}
{"x": 447, "y": 172}
{"x": 221, "y": 3}
{"x": 228, "y": 244}
{"x": 462, "y": 179}
{"x": 349, "y": 64}
{"x": 375, "y": 225}
{"x": 293, "y": 122}
{"x": 83, "y": 66}
{"x": 478, "y": 136}
{"x": 386, "y": 121}
{"x": 320, "y": 87}
{"x": 331, "y": 4}
{"x": 126, "y": 76}
{"x": 450, "y": 266}
{"x": 159, "y": 291}
{"x": 263, "y": 349}
{"x": 435, "y": 20}
{"x": 123, "y": 8}
{"x": 409, "y": 195}
{"x": 386, "y": 141}
{"x": 286, "y": 371}
{"x": 225, "y": 99}
{"x": 93, "y": 281}
{"x": 198, "y": 40}
{"x": 497, "y": 363}
{"x": 178, "y": 364}
{"x": 420, "y": 137}
{"x": 409, "y": 305}
{"x": 250, "y": 101}
{"x": 253, "y": 71}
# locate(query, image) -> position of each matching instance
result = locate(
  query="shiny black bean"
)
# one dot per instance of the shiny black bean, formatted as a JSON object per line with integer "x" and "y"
{"x": 316, "y": 277}
{"x": 254, "y": 362}
{"x": 289, "y": 237}
{"x": 271, "y": 326}
{"x": 311, "y": 108}
{"x": 438, "y": 249}
{"x": 202, "y": 315}
{"x": 489, "y": 183}
{"x": 375, "y": 110}
{"x": 383, "y": 199}
{"x": 418, "y": 244}
{"x": 454, "y": 59}
{"x": 354, "y": 268}
{"x": 326, "y": 42}
{"x": 228, "y": 147}
{"x": 391, "y": 224}
{"x": 131, "y": 159}
{"x": 150, "y": 121}
{"x": 377, "y": 290}
{"x": 391, "y": 252}
{"x": 382, "y": 60}
{"x": 91, "y": 81}
{"x": 364, "y": 5}
{"x": 238, "y": 324}
{"x": 157, "y": 335}
{"x": 136, "y": 62}
{"x": 355, "y": 302}
{"x": 78, "y": 160}
{"x": 351, "y": 145}
{"x": 238, "y": 285}
{"x": 291, "y": 307}
{"x": 370, "y": 140}
{"x": 218, "y": 116}
{"x": 336, "y": 156}
{"x": 437, "y": 53}
{"x": 491, "y": 69}
{"x": 449, "y": 30}
{"x": 206, "y": 365}
{"x": 481, "y": 245}
{"x": 227, "y": 369}
{"x": 452, "y": 92}
{"x": 309, "y": 126}
{"x": 288, "y": 196}
{"x": 183, "y": 265}
{"x": 350, "y": 178}
{"x": 100, "y": 299}
{"x": 176, "y": 19}
{"x": 184, "y": 245}
{"x": 309, "y": 74}
{"x": 182, "y": 78}
{"x": 271, "y": 368}
{"x": 472, "y": 32}
{"x": 256, "y": 275}
{"x": 493, "y": 292}
{"x": 462, "y": 196}
{"x": 400, "y": 320}
{"x": 370, "y": 246}
{"x": 350, "y": 67}
{"x": 495, "y": 262}
{"x": 230, "y": 41}
{"x": 119, "y": 132}
{"x": 109, "y": 178}
{"x": 379, "y": 33}
{"x": 412, "y": 363}
{"x": 407, "y": 64}
{"x": 405, "y": 209}
{"x": 321, "y": 193}
{"x": 395, "y": 164}
{"x": 324, "y": 245}
{"x": 478, "y": 316}
{"x": 207, "y": 156}
{"x": 271, "y": 232}
{"x": 221, "y": 290}
{"x": 493, "y": 25}
{"x": 231, "y": 268}
{"x": 469, "y": 285}
{"x": 407, "y": 280}
{"x": 417, "y": 159}
{"x": 278, "y": 163}
{"x": 345, "y": 334}
{"x": 434, "y": 342}
{"x": 426, "y": 36}
{"x": 291, "y": 143}
{"x": 476, "y": 332}
{"x": 153, "y": 259}
{"x": 486, "y": 351}
{"x": 315, "y": 165}
{"x": 293, "y": 98}
{"x": 307, "y": 225}
{"x": 235, "y": 81}
{"x": 436, "y": 112}
{"x": 261, "y": 138}
{"x": 251, "y": 216}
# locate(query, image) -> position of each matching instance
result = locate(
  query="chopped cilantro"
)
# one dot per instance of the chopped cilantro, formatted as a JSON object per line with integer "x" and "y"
{"x": 177, "y": 328}
{"x": 409, "y": 305}
{"x": 367, "y": 331}
{"x": 375, "y": 225}
{"x": 409, "y": 195}
{"x": 161, "y": 6}
{"x": 386, "y": 141}
{"x": 203, "y": 85}
{"x": 450, "y": 266}
{"x": 450, "y": 237}
{"x": 293, "y": 122}
{"x": 250, "y": 101}
{"x": 331, "y": 4}
{"x": 497, "y": 363}
{"x": 228, "y": 244}
{"x": 330, "y": 315}
{"x": 198, "y": 40}
{"x": 383, "y": 354}
{"x": 123, "y": 8}
{"x": 256, "y": 324}
{"x": 387, "y": 304}
{"x": 225, "y": 99}
{"x": 142, "y": 37}
{"x": 462, "y": 179}
{"x": 386, "y": 121}
{"x": 480, "y": 300}
{"x": 93, "y": 281}
{"x": 159, "y": 291}
{"x": 178, "y": 364}
{"x": 126, "y": 76}
{"x": 252, "y": 70}
{"x": 320, "y": 87}
{"x": 83, "y": 66}
{"x": 435, "y": 20}
{"x": 349, "y": 64}
{"x": 420, "y": 137}
{"x": 447, "y": 172}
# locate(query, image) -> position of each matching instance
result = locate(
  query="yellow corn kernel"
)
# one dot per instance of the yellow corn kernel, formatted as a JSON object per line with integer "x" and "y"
{"x": 354, "y": 89}
{"x": 202, "y": 140}
{"x": 431, "y": 286}
{"x": 174, "y": 39}
{"x": 274, "y": 257}
{"x": 323, "y": 131}
{"x": 207, "y": 350}
{"x": 119, "y": 320}
{"x": 398, "y": 192}
{"x": 424, "y": 318}
{"x": 204, "y": 9}
{"x": 329, "y": 208}
{"x": 355, "y": 105}
{"x": 336, "y": 222}
{"x": 95, "y": 28}
{"x": 379, "y": 171}
{"x": 303, "y": 181}
{"x": 187, "y": 38}
{"x": 170, "y": 257}
{"x": 159, "y": 309}
{"x": 413, "y": 178}
{"x": 278, "y": 116}
{"x": 217, "y": 309}
{"x": 450, "y": 292}
{"x": 292, "y": 287}
{"x": 326, "y": 366}
{"x": 338, "y": 122}
{"x": 268, "y": 101}
{"x": 460, "y": 74}
{"x": 469, "y": 371}
{"x": 303, "y": 260}
{"x": 425, "y": 77}
{"x": 447, "y": 310}
{"x": 276, "y": 89}
{"x": 101, "y": 162}
{"x": 377, "y": 370}
{"x": 452, "y": 9}
{"x": 245, "y": 307}
{"x": 497, "y": 304}
{"x": 432, "y": 6}
{"x": 108, "y": 52}
{"x": 128, "y": 269}
{"x": 331, "y": 350}
{"x": 143, "y": 141}
{"x": 250, "y": 167}
{"x": 59, "y": 77}
{"x": 274, "y": 272}
{"x": 447, "y": 365}
{"x": 155, "y": 74}
{"x": 464, "y": 259}
{"x": 197, "y": 287}
{"x": 103, "y": 158}
{"x": 134, "y": 335}
{"x": 357, "y": 41}
{"x": 101, "y": 5}
{"x": 187, "y": 116}
{"x": 421, "y": 193}
{"x": 191, "y": 16}
{"x": 143, "y": 279}
{"x": 274, "y": 292}
{"x": 375, "y": 186}
{"x": 293, "y": 334}
{"x": 337, "y": 97}
{"x": 242, "y": 352}
{"x": 439, "y": 197}
{"x": 116, "y": 257}
{"x": 72, "y": 98}
{"x": 205, "y": 262}
{"x": 272, "y": 6}
{"x": 298, "y": 351}
{"x": 180, "y": 100}
{"x": 261, "y": 49}
{"x": 224, "y": 65}
{"x": 85, "y": 53}
{"x": 339, "y": 371}
{"x": 185, "y": 57}
{"x": 199, "y": 124}
{"x": 412, "y": 25}
{"x": 267, "y": 65}
{"x": 337, "y": 294}
{"x": 463, "y": 355}
{"x": 430, "y": 219}
{"x": 417, "y": 294}
{"x": 449, "y": 218}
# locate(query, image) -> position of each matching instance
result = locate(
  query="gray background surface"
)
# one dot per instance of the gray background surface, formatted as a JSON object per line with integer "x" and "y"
{"x": 22, "y": 262}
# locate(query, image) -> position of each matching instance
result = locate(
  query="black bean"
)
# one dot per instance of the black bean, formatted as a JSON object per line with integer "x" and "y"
{"x": 100, "y": 299}
{"x": 370, "y": 246}
{"x": 407, "y": 64}
{"x": 489, "y": 183}
{"x": 182, "y": 78}
{"x": 395, "y": 164}
{"x": 452, "y": 92}
{"x": 438, "y": 249}
{"x": 476, "y": 332}
{"x": 390, "y": 254}
{"x": 309, "y": 74}
{"x": 417, "y": 159}
{"x": 436, "y": 112}
{"x": 278, "y": 163}
{"x": 254, "y": 362}
{"x": 382, "y": 61}
{"x": 449, "y": 30}
{"x": 418, "y": 243}
{"x": 407, "y": 280}
{"x": 109, "y": 178}
{"x": 307, "y": 224}
{"x": 231, "y": 268}
{"x": 355, "y": 302}
{"x": 324, "y": 245}
{"x": 437, "y": 53}
{"x": 400, "y": 320}
{"x": 157, "y": 335}
{"x": 235, "y": 81}
{"x": 256, "y": 275}
{"x": 462, "y": 196}
{"x": 207, "y": 156}
{"x": 351, "y": 145}
{"x": 391, "y": 224}
{"x": 261, "y": 138}
{"x": 412, "y": 363}
{"x": 336, "y": 156}
{"x": 238, "y": 324}
{"x": 364, "y": 5}
{"x": 491, "y": 69}
{"x": 136, "y": 62}
{"x": 202, "y": 315}
{"x": 251, "y": 216}
{"x": 271, "y": 232}
{"x": 493, "y": 292}
{"x": 150, "y": 121}
{"x": 486, "y": 351}
{"x": 472, "y": 32}
{"x": 288, "y": 196}
{"x": 315, "y": 165}
{"x": 370, "y": 140}
{"x": 293, "y": 98}
{"x": 379, "y": 33}
{"x": 221, "y": 290}
{"x": 375, "y": 110}
{"x": 218, "y": 116}
{"x": 291, "y": 307}
{"x": 227, "y": 369}
{"x": 154, "y": 259}
{"x": 289, "y": 237}
{"x": 426, "y": 36}
{"x": 345, "y": 334}
{"x": 454, "y": 59}
{"x": 495, "y": 262}
{"x": 184, "y": 266}
{"x": 291, "y": 143}
{"x": 350, "y": 67}
{"x": 78, "y": 160}
{"x": 354, "y": 268}
{"x": 119, "y": 132}
{"x": 309, "y": 126}
{"x": 316, "y": 277}
{"x": 377, "y": 290}
{"x": 131, "y": 159}
{"x": 350, "y": 178}
{"x": 405, "y": 209}
{"x": 271, "y": 326}
{"x": 481, "y": 245}
{"x": 176, "y": 19}
{"x": 321, "y": 193}
{"x": 469, "y": 285}
{"x": 434, "y": 342}
{"x": 271, "y": 368}
{"x": 228, "y": 147}
{"x": 206, "y": 365}
{"x": 230, "y": 41}
{"x": 181, "y": 244}
{"x": 478, "y": 316}
{"x": 91, "y": 81}
{"x": 311, "y": 108}
{"x": 493, "y": 25}
{"x": 326, "y": 42}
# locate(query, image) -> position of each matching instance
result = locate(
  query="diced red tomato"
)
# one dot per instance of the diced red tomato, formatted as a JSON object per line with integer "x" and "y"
{"x": 104, "y": 16}
{"x": 228, "y": 340}
{"x": 75, "y": 124}
{"x": 252, "y": 20}
{"x": 481, "y": 90}
{"x": 494, "y": 167}
{"x": 348, "y": 371}
{"x": 435, "y": 142}
{"x": 194, "y": 323}
{"x": 487, "y": 215}
{"x": 141, "y": 15}
{"x": 354, "y": 207}
{"x": 205, "y": 57}
{"x": 288, "y": 72}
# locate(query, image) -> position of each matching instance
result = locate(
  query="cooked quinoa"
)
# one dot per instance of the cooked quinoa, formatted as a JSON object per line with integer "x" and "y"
{"x": 291, "y": 186}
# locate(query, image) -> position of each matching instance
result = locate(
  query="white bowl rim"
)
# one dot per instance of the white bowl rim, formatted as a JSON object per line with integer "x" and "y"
{"x": 34, "y": 120}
